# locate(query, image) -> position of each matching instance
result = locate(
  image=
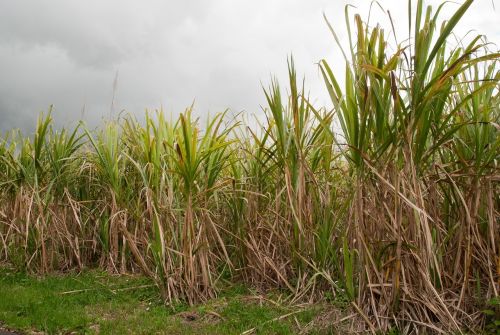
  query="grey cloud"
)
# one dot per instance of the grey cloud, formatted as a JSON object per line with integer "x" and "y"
{"x": 168, "y": 53}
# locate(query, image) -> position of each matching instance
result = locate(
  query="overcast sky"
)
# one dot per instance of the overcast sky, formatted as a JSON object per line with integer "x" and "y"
{"x": 171, "y": 53}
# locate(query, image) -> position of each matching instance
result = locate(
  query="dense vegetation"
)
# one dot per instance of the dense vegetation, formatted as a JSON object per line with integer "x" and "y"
{"x": 398, "y": 213}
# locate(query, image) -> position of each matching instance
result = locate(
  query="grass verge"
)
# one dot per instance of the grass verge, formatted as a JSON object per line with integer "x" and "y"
{"x": 95, "y": 302}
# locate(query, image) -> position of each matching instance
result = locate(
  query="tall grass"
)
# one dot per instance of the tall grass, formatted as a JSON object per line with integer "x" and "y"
{"x": 405, "y": 119}
{"x": 397, "y": 214}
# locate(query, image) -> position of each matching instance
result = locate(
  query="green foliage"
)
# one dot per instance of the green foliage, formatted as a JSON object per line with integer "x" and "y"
{"x": 388, "y": 199}
{"x": 492, "y": 313}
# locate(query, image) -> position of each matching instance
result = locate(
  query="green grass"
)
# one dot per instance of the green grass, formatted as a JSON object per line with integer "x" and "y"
{"x": 95, "y": 302}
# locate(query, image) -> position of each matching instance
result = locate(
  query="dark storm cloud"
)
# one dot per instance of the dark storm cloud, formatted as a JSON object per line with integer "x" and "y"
{"x": 166, "y": 53}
